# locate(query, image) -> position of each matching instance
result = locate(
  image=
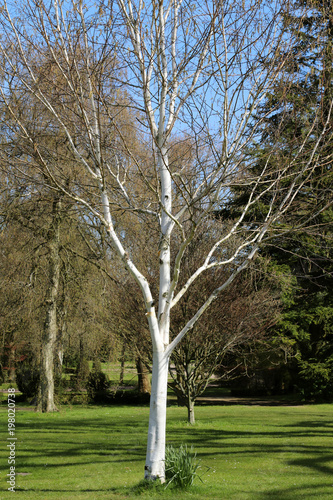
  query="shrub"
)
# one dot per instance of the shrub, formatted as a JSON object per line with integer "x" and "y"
{"x": 315, "y": 380}
{"x": 27, "y": 379}
{"x": 82, "y": 373}
{"x": 128, "y": 397}
{"x": 181, "y": 466}
{"x": 97, "y": 386}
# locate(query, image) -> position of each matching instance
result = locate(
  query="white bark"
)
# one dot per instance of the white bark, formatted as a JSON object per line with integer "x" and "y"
{"x": 164, "y": 250}
{"x": 155, "y": 456}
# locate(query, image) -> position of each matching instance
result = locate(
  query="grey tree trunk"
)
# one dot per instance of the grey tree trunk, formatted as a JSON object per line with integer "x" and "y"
{"x": 122, "y": 364}
{"x": 11, "y": 363}
{"x": 144, "y": 386}
{"x": 190, "y": 411}
{"x": 61, "y": 321}
{"x": 46, "y": 387}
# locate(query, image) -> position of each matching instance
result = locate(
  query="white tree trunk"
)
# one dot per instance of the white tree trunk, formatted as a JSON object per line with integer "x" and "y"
{"x": 155, "y": 458}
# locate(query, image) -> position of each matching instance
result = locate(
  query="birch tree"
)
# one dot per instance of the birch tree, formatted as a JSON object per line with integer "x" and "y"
{"x": 190, "y": 70}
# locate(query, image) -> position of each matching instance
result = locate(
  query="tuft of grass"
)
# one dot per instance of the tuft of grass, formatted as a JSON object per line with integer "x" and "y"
{"x": 181, "y": 466}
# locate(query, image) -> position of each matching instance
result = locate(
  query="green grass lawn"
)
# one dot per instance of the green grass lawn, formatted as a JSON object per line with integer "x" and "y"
{"x": 253, "y": 452}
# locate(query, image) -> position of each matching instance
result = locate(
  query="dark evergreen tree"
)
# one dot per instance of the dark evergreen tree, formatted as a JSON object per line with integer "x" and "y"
{"x": 292, "y": 130}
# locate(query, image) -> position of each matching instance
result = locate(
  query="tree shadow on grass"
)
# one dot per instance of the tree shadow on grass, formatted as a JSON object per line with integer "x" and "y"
{"x": 224, "y": 439}
{"x": 321, "y": 466}
{"x": 95, "y": 440}
{"x": 318, "y": 490}
{"x": 288, "y": 442}
{"x": 51, "y": 445}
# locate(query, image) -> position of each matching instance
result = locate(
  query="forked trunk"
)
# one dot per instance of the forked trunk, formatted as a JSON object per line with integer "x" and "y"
{"x": 155, "y": 458}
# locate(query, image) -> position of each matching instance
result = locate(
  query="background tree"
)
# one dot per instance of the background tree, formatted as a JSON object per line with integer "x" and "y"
{"x": 311, "y": 327}
{"x": 306, "y": 254}
{"x": 239, "y": 317}
{"x": 18, "y": 297}
{"x": 31, "y": 216}
{"x": 31, "y": 233}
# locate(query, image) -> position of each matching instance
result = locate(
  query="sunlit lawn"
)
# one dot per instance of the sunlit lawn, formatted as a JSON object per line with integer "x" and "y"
{"x": 95, "y": 452}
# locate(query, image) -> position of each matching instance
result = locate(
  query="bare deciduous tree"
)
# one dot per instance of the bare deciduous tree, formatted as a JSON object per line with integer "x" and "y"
{"x": 189, "y": 69}
{"x": 239, "y": 317}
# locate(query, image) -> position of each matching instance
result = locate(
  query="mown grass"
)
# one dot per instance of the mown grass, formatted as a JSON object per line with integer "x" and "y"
{"x": 255, "y": 453}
